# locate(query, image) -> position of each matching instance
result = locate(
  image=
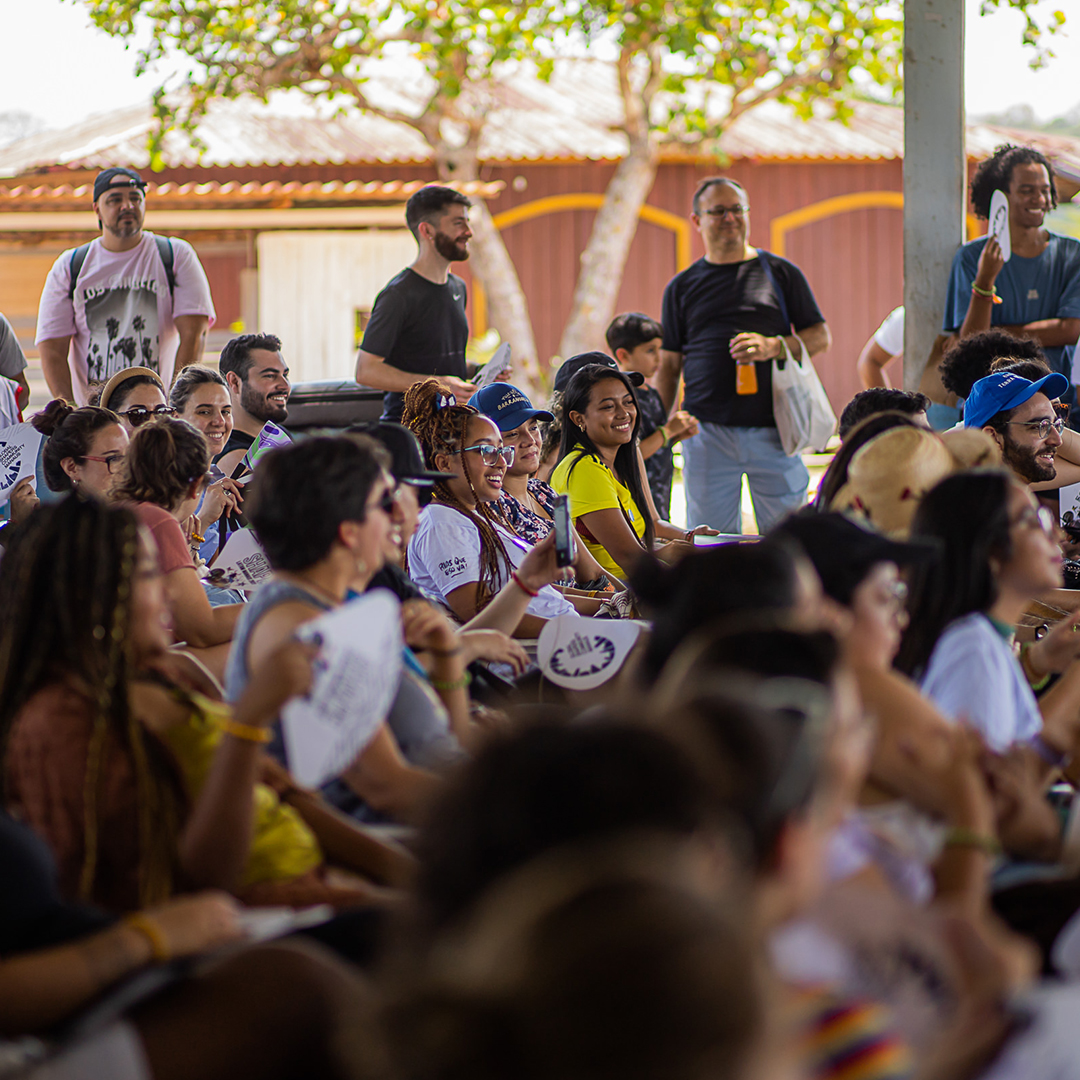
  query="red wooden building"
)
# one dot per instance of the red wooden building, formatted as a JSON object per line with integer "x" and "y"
{"x": 297, "y": 216}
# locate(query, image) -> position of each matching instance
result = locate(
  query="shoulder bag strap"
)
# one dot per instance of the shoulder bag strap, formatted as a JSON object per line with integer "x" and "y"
{"x": 78, "y": 257}
{"x": 165, "y": 250}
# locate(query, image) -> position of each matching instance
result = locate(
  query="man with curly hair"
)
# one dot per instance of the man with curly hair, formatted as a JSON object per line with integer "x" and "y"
{"x": 1036, "y": 294}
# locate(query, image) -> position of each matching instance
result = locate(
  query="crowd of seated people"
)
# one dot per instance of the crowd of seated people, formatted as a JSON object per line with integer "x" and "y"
{"x": 819, "y": 823}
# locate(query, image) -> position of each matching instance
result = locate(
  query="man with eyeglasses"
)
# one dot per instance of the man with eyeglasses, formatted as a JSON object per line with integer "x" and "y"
{"x": 735, "y": 310}
{"x": 129, "y": 297}
{"x": 1019, "y": 416}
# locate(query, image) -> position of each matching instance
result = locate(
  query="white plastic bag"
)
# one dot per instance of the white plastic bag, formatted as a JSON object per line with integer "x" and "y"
{"x": 804, "y": 416}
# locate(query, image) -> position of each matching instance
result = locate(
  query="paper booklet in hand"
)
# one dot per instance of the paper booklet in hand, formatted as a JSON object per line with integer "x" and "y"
{"x": 19, "y": 445}
{"x": 499, "y": 362}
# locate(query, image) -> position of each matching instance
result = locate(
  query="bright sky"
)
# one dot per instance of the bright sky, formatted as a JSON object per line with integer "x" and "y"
{"x": 60, "y": 69}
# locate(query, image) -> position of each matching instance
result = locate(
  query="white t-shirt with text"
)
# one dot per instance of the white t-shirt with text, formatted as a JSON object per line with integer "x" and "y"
{"x": 122, "y": 312}
{"x": 444, "y": 554}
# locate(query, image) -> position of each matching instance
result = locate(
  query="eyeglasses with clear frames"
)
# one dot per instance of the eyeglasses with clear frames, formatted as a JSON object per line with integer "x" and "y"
{"x": 1036, "y": 518}
{"x": 490, "y": 453}
{"x": 723, "y": 211}
{"x": 1042, "y": 427}
{"x": 110, "y": 461}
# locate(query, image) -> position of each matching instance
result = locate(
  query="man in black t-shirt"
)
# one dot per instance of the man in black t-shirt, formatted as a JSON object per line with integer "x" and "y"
{"x": 418, "y": 326}
{"x": 735, "y": 307}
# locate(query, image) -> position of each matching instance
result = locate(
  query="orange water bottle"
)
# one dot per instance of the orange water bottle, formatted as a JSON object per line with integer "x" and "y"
{"x": 745, "y": 377}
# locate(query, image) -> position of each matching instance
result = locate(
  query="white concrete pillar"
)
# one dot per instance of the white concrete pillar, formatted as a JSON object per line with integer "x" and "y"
{"x": 934, "y": 168}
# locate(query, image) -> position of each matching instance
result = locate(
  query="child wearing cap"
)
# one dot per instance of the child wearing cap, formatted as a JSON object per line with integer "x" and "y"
{"x": 634, "y": 340}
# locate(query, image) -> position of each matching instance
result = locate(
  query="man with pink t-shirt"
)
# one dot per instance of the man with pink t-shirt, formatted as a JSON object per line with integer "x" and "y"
{"x": 127, "y": 298}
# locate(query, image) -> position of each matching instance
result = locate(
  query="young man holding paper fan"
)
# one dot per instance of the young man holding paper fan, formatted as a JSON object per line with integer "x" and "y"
{"x": 1020, "y": 277}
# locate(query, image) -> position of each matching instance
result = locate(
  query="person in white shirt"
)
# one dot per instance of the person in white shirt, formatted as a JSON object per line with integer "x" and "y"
{"x": 884, "y": 346}
{"x": 462, "y": 552}
{"x": 997, "y": 555}
{"x": 127, "y": 298}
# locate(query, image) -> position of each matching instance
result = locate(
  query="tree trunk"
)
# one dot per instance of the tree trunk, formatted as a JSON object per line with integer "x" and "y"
{"x": 604, "y": 258}
{"x": 507, "y": 308}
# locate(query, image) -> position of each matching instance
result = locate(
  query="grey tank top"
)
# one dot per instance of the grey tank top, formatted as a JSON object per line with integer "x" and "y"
{"x": 417, "y": 719}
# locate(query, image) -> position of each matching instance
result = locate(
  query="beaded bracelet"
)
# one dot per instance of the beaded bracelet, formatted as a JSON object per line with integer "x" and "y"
{"x": 150, "y": 930}
{"x": 197, "y": 539}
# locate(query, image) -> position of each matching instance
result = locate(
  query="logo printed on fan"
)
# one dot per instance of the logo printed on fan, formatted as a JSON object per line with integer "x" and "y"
{"x": 583, "y": 656}
{"x": 10, "y": 463}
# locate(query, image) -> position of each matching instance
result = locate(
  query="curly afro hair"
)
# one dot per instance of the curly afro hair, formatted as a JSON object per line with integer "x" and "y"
{"x": 996, "y": 173}
{"x": 970, "y": 360}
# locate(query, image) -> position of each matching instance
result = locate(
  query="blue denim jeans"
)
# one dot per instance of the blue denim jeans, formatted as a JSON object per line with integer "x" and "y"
{"x": 716, "y": 460}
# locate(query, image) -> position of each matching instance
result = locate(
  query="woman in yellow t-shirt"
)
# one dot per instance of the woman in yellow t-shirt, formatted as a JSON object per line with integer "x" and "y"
{"x": 599, "y": 470}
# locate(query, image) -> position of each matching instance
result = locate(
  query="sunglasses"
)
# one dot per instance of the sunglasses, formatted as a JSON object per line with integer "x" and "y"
{"x": 137, "y": 415}
{"x": 490, "y": 453}
{"x": 388, "y": 501}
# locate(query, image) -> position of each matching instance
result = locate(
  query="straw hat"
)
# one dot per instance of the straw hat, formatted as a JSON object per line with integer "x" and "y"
{"x": 122, "y": 376}
{"x": 890, "y": 474}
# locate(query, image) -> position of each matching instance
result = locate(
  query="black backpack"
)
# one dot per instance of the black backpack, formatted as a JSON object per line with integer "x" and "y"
{"x": 165, "y": 250}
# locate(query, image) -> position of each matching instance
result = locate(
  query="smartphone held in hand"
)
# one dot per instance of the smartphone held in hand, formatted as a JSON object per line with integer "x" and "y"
{"x": 564, "y": 536}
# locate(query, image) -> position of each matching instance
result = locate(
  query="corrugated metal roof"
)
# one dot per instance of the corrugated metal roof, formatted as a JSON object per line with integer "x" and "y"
{"x": 570, "y": 118}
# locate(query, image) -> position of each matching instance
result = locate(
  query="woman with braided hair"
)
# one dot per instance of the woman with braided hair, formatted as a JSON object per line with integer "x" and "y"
{"x": 83, "y": 660}
{"x": 462, "y": 551}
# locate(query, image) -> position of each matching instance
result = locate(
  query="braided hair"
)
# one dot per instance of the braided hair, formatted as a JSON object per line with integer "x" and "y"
{"x": 65, "y": 589}
{"x": 442, "y": 428}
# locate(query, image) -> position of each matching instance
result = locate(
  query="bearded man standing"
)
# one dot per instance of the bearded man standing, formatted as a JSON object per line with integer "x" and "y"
{"x": 418, "y": 327}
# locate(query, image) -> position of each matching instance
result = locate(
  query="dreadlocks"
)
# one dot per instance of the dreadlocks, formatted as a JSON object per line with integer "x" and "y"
{"x": 65, "y": 590}
{"x": 442, "y": 428}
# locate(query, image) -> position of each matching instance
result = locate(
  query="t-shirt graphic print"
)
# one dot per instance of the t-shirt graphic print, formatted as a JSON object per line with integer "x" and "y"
{"x": 123, "y": 325}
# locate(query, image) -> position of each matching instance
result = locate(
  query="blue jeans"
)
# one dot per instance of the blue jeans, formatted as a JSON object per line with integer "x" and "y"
{"x": 717, "y": 458}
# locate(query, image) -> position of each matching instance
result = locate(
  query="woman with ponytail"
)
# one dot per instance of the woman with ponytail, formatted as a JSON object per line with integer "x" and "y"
{"x": 163, "y": 475}
{"x": 462, "y": 550}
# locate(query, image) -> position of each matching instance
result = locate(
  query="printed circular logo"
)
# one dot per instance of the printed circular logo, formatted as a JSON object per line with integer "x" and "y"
{"x": 585, "y": 655}
{"x": 10, "y": 464}
{"x": 580, "y": 653}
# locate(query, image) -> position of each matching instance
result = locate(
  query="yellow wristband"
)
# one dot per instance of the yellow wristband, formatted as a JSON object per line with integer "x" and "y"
{"x": 968, "y": 838}
{"x": 150, "y": 930}
{"x": 247, "y": 732}
{"x": 456, "y": 684}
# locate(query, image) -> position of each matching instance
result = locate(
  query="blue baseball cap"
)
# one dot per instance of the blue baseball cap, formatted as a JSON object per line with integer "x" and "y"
{"x": 1004, "y": 390}
{"x": 507, "y": 406}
